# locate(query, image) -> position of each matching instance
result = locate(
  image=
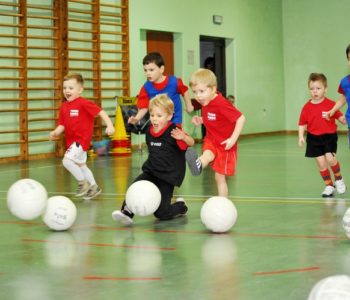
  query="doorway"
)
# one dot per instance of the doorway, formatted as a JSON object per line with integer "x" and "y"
{"x": 162, "y": 42}
{"x": 212, "y": 56}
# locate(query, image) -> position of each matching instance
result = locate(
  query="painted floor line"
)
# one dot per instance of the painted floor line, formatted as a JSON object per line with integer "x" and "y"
{"x": 286, "y": 271}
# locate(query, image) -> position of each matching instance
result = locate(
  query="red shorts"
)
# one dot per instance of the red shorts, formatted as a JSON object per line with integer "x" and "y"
{"x": 225, "y": 160}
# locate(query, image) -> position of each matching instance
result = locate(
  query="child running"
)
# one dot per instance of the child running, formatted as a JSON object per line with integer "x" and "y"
{"x": 223, "y": 123}
{"x": 321, "y": 138}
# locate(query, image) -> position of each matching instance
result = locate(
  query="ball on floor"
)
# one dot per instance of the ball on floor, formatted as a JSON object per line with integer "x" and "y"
{"x": 60, "y": 213}
{"x": 26, "y": 199}
{"x": 346, "y": 222}
{"x": 335, "y": 287}
{"x": 218, "y": 214}
{"x": 143, "y": 198}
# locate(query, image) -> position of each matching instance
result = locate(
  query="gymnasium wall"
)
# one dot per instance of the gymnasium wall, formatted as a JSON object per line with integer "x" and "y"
{"x": 315, "y": 35}
{"x": 254, "y": 51}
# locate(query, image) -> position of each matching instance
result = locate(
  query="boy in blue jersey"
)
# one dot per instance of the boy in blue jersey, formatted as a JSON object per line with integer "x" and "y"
{"x": 158, "y": 83}
{"x": 344, "y": 90}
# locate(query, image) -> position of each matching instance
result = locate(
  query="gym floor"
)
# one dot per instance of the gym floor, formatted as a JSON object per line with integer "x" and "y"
{"x": 286, "y": 237}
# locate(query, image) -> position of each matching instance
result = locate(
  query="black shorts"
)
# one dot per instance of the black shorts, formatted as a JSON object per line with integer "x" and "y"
{"x": 318, "y": 145}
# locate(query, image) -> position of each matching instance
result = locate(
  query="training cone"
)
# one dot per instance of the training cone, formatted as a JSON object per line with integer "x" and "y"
{"x": 120, "y": 143}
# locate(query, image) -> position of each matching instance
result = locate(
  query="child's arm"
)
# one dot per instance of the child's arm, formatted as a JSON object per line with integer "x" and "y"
{"x": 56, "y": 132}
{"x": 107, "y": 120}
{"x": 188, "y": 104}
{"x": 338, "y": 105}
{"x": 342, "y": 120}
{"x": 235, "y": 134}
{"x": 197, "y": 120}
{"x": 301, "y": 132}
{"x": 137, "y": 118}
{"x": 179, "y": 134}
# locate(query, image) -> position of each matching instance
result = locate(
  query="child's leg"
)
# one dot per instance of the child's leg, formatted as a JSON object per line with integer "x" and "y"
{"x": 88, "y": 175}
{"x": 326, "y": 175}
{"x": 335, "y": 166}
{"x": 221, "y": 185}
{"x": 195, "y": 163}
{"x": 166, "y": 209}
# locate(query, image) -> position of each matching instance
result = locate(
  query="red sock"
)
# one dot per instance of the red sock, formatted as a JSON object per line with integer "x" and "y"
{"x": 326, "y": 176}
{"x": 336, "y": 171}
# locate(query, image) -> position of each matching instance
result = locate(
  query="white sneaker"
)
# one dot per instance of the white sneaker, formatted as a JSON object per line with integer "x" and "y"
{"x": 328, "y": 191}
{"x": 340, "y": 186}
{"x": 119, "y": 216}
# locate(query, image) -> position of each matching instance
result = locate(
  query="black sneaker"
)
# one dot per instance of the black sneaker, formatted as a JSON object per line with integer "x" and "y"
{"x": 193, "y": 162}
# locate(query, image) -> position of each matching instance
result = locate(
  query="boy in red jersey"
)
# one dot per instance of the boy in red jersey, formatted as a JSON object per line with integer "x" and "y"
{"x": 76, "y": 119}
{"x": 223, "y": 123}
{"x": 322, "y": 135}
{"x": 158, "y": 83}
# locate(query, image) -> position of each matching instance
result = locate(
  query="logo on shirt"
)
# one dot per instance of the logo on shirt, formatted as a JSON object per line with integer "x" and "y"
{"x": 159, "y": 144}
{"x": 74, "y": 112}
{"x": 324, "y": 114}
{"x": 211, "y": 116}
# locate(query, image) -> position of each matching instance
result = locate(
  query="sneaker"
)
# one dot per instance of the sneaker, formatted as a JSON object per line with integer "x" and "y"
{"x": 122, "y": 217}
{"x": 340, "y": 186}
{"x": 194, "y": 163}
{"x": 83, "y": 188}
{"x": 183, "y": 206}
{"x": 93, "y": 192}
{"x": 328, "y": 191}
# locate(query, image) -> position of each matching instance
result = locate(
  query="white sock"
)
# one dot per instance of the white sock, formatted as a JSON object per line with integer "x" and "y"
{"x": 73, "y": 168}
{"x": 88, "y": 174}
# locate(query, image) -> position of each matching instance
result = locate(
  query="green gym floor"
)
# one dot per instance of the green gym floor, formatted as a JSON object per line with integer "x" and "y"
{"x": 286, "y": 237}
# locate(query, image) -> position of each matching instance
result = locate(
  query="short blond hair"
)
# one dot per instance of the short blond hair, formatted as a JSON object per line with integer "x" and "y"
{"x": 203, "y": 76}
{"x": 162, "y": 101}
{"x": 77, "y": 76}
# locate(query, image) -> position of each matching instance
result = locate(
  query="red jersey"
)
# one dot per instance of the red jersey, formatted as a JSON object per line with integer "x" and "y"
{"x": 313, "y": 116}
{"x": 219, "y": 119}
{"x": 143, "y": 98}
{"x": 77, "y": 117}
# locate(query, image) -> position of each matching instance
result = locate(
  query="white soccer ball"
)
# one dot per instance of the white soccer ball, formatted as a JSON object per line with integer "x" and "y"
{"x": 143, "y": 198}
{"x": 218, "y": 214}
{"x": 335, "y": 287}
{"x": 346, "y": 222}
{"x": 26, "y": 199}
{"x": 60, "y": 213}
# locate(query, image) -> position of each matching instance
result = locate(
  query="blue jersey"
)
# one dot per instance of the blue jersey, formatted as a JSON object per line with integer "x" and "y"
{"x": 171, "y": 89}
{"x": 344, "y": 88}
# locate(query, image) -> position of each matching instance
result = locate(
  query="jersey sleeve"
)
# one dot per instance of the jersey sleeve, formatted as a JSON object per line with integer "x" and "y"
{"x": 142, "y": 98}
{"x": 181, "y": 87}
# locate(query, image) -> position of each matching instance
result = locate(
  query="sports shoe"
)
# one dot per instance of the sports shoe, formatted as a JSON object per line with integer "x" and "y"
{"x": 122, "y": 217}
{"x": 328, "y": 191}
{"x": 93, "y": 192}
{"x": 194, "y": 163}
{"x": 83, "y": 188}
{"x": 183, "y": 206}
{"x": 340, "y": 186}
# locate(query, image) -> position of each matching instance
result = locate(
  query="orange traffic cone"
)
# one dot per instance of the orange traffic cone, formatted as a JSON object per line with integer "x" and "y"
{"x": 121, "y": 141}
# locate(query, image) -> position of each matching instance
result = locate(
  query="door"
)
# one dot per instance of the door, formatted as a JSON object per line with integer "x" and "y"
{"x": 212, "y": 56}
{"x": 162, "y": 42}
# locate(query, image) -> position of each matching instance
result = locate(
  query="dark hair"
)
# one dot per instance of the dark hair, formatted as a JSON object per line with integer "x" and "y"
{"x": 153, "y": 57}
{"x": 347, "y": 51}
{"x": 318, "y": 77}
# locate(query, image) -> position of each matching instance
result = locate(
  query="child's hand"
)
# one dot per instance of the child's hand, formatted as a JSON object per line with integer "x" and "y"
{"x": 133, "y": 120}
{"x": 52, "y": 135}
{"x": 329, "y": 114}
{"x": 110, "y": 130}
{"x": 342, "y": 120}
{"x": 301, "y": 142}
{"x": 229, "y": 143}
{"x": 178, "y": 134}
{"x": 197, "y": 120}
